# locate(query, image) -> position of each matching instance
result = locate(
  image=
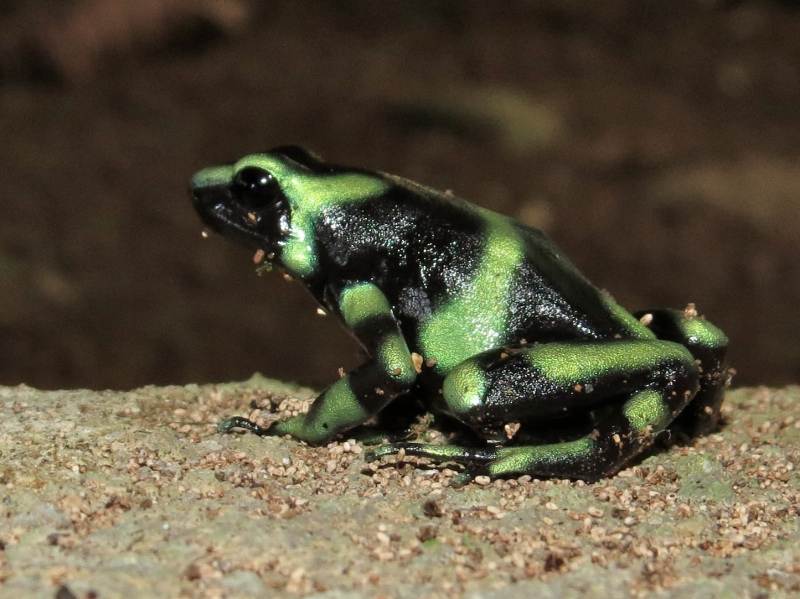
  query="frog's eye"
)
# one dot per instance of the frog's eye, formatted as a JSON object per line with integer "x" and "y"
{"x": 255, "y": 188}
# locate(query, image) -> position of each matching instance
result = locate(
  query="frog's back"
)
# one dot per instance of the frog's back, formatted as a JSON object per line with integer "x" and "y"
{"x": 462, "y": 279}
{"x": 552, "y": 301}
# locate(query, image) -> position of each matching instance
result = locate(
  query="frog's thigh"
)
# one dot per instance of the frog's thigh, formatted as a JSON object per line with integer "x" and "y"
{"x": 624, "y": 430}
{"x": 352, "y": 400}
{"x": 559, "y": 379}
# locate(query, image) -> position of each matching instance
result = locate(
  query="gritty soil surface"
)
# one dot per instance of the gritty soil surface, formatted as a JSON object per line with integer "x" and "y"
{"x": 658, "y": 143}
{"x": 113, "y": 495}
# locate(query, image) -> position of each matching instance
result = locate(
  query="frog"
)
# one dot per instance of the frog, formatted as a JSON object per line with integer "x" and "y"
{"x": 471, "y": 314}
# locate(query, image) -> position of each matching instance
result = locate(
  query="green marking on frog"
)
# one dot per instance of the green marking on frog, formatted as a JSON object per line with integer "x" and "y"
{"x": 465, "y": 387}
{"x": 568, "y": 364}
{"x": 474, "y": 320}
{"x": 702, "y": 332}
{"x": 646, "y": 411}
{"x": 362, "y": 301}
{"x": 340, "y": 411}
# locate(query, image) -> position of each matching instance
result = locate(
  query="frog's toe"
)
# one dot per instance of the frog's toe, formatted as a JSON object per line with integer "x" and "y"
{"x": 473, "y": 460}
{"x": 462, "y": 479}
{"x": 436, "y": 453}
{"x": 227, "y": 425}
{"x": 380, "y": 451}
{"x": 367, "y": 435}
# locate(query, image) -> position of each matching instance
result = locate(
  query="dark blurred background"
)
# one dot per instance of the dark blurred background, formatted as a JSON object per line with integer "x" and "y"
{"x": 657, "y": 142}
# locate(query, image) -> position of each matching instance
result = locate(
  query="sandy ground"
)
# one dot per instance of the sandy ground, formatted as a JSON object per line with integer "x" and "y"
{"x": 657, "y": 143}
{"x": 109, "y": 494}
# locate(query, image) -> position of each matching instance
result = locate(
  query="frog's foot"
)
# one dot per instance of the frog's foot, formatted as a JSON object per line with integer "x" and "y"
{"x": 369, "y": 435}
{"x": 227, "y": 425}
{"x": 473, "y": 459}
{"x": 563, "y": 460}
{"x": 438, "y": 453}
{"x": 365, "y": 435}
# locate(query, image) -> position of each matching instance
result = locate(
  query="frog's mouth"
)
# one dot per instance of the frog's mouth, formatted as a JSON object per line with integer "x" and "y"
{"x": 222, "y": 213}
{"x": 218, "y": 211}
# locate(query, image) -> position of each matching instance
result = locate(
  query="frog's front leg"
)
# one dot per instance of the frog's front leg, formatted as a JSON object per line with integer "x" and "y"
{"x": 354, "y": 399}
{"x": 632, "y": 390}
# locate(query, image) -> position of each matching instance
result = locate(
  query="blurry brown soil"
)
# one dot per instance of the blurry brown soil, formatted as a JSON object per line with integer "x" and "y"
{"x": 658, "y": 143}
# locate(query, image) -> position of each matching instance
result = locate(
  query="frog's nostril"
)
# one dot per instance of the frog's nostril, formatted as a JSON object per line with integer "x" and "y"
{"x": 199, "y": 199}
{"x": 196, "y": 195}
{"x": 204, "y": 197}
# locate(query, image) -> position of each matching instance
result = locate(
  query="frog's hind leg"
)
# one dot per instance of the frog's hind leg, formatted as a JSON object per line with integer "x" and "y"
{"x": 634, "y": 390}
{"x": 620, "y": 436}
{"x": 708, "y": 345}
{"x": 603, "y": 452}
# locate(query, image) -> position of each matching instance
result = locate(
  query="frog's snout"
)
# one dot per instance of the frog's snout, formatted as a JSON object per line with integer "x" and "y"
{"x": 205, "y": 181}
{"x": 203, "y": 198}
{"x": 197, "y": 196}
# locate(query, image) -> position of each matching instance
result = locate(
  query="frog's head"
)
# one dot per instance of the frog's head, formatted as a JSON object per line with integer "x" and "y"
{"x": 246, "y": 201}
{"x": 271, "y": 201}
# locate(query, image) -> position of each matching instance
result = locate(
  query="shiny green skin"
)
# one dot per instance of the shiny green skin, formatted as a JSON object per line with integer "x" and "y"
{"x": 471, "y": 313}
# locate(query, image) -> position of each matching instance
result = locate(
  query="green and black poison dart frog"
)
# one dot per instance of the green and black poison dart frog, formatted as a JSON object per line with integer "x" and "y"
{"x": 479, "y": 316}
